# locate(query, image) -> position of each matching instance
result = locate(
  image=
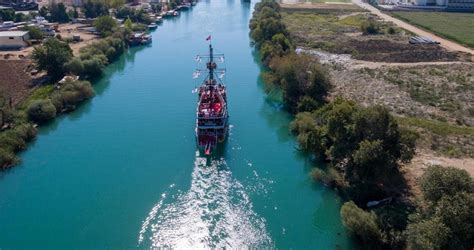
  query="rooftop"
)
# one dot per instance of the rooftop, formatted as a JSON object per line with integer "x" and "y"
{"x": 12, "y": 33}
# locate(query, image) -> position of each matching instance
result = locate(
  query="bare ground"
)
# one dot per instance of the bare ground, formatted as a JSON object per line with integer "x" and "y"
{"x": 15, "y": 79}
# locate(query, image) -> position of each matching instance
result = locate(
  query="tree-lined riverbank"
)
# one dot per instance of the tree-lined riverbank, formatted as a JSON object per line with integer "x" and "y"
{"x": 364, "y": 147}
{"x": 93, "y": 176}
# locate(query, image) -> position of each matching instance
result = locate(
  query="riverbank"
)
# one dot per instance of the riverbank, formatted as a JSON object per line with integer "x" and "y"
{"x": 94, "y": 177}
{"x": 54, "y": 96}
{"x": 366, "y": 147}
{"x": 45, "y": 95}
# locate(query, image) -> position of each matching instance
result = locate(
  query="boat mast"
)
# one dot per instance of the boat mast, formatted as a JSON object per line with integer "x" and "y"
{"x": 211, "y": 65}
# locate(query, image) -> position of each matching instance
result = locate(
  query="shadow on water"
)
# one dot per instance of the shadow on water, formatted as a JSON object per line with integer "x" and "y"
{"x": 215, "y": 212}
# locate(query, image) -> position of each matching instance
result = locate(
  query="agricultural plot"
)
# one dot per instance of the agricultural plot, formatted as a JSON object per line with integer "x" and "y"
{"x": 458, "y": 27}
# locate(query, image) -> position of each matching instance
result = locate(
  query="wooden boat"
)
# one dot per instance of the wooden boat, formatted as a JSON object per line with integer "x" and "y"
{"x": 211, "y": 113}
{"x": 152, "y": 26}
{"x": 136, "y": 39}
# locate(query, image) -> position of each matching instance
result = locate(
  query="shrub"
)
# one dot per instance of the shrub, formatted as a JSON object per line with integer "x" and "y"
{"x": 93, "y": 9}
{"x": 360, "y": 223}
{"x": 391, "y": 30}
{"x": 34, "y": 32}
{"x": 41, "y": 111}
{"x": 58, "y": 13}
{"x": 7, "y": 158}
{"x": 70, "y": 94}
{"x": 427, "y": 235}
{"x": 440, "y": 181}
{"x": 13, "y": 140}
{"x": 94, "y": 66}
{"x": 75, "y": 66}
{"x": 370, "y": 27}
{"x": 105, "y": 25}
{"x": 307, "y": 104}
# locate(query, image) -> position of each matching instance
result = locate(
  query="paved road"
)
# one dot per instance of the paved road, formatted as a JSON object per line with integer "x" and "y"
{"x": 450, "y": 45}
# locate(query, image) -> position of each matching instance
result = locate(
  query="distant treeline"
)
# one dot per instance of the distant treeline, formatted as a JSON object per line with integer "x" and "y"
{"x": 364, "y": 149}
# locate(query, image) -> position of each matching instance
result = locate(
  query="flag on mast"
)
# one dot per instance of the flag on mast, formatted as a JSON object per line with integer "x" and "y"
{"x": 208, "y": 38}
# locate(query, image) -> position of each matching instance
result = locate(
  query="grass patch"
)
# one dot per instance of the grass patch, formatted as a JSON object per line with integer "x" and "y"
{"x": 436, "y": 127}
{"x": 355, "y": 21}
{"x": 455, "y": 26}
{"x": 42, "y": 92}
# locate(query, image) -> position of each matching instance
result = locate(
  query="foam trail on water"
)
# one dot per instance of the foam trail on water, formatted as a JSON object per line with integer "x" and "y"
{"x": 215, "y": 213}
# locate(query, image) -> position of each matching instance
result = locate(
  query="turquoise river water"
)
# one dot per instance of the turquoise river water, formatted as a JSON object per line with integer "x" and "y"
{"x": 123, "y": 171}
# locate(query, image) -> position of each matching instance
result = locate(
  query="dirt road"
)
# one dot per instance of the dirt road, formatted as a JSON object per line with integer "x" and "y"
{"x": 444, "y": 43}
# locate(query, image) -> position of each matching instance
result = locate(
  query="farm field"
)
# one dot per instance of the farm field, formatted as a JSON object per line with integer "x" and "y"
{"x": 455, "y": 26}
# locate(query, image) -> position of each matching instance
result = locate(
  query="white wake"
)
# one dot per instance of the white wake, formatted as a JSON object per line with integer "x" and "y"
{"x": 215, "y": 213}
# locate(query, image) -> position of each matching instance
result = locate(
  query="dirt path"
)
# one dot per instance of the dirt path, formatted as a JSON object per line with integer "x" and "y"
{"x": 444, "y": 43}
{"x": 358, "y": 64}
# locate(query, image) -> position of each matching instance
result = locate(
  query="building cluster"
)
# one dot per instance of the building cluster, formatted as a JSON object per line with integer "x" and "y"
{"x": 439, "y": 5}
{"x": 14, "y": 36}
{"x": 467, "y": 5}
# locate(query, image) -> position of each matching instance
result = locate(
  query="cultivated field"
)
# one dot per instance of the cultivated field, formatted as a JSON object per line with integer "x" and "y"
{"x": 458, "y": 27}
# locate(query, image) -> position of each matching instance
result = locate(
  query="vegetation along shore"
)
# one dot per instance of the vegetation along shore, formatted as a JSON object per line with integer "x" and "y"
{"x": 326, "y": 64}
{"x": 65, "y": 73}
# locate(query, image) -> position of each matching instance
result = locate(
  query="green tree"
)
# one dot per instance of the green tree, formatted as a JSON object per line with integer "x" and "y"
{"x": 41, "y": 111}
{"x": 7, "y": 14}
{"x": 360, "y": 223}
{"x": 105, "y": 25}
{"x": 438, "y": 181}
{"x": 44, "y": 11}
{"x": 73, "y": 14}
{"x": 95, "y": 8}
{"x": 128, "y": 24}
{"x": 58, "y": 13}
{"x": 75, "y": 66}
{"x": 456, "y": 212}
{"x": 428, "y": 234}
{"x": 52, "y": 57}
{"x": 34, "y": 32}
{"x": 20, "y": 17}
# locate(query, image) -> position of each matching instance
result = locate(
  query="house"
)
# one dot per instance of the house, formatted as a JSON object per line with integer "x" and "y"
{"x": 13, "y": 39}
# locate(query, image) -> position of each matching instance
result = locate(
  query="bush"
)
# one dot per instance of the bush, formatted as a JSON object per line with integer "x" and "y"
{"x": 360, "y": 223}
{"x": 105, "y": 25}
{"x": 70, "y": 94}
{"x": 427, "y": 235}
{"x": 370, "y": 27}
{"x": 34, "y": 32}
{"x": 7, "y": 14}
{"x": 13, "y": 140}
{"x": 58, "y": 13}
{"x": 300, "y": 76}
{"x": 41, "y": 111}
{"x": 445, "y": 218}
{"x": 438, "y": 181}
{"x": 93, "y": 9}
{"x": 7, "y": 158}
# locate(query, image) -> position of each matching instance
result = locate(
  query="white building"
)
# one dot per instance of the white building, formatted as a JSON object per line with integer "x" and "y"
{"x": 13, "y": 39}
{"x": 461, "y": 5}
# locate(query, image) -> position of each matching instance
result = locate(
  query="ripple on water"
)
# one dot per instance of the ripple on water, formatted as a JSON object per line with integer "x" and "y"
{"x": 215, "y": 213}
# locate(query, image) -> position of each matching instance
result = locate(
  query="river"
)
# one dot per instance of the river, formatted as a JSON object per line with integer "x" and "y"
{"x": 123, "y": 172}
